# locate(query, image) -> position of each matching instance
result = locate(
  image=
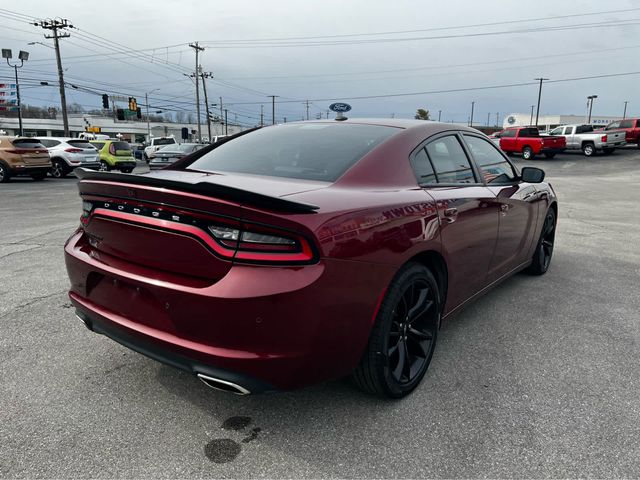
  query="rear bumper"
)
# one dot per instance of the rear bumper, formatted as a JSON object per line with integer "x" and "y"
{"x": 29, "y": 169}
{"x": 264, "y": 328}
{"x": 125, "y": 164}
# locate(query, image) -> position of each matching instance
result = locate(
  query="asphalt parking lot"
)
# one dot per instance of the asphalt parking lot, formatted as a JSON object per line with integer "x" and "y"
{"x": 539, "y": 378}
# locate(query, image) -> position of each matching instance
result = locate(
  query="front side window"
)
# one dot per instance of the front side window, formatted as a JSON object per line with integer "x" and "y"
{"x": 508, "y": 133}
{"x": 449, "y": 161}
{"x": 98, "y": 145}
{"x": 556, "y": 131}
{"x": 494, "y": 168}
{"x": 612, "y": 126}
{"x": 568, "y": 130}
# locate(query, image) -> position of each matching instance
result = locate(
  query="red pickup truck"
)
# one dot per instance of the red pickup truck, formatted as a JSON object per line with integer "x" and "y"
{"x": 631, "y": 126}
{"x": 527, "y": 140}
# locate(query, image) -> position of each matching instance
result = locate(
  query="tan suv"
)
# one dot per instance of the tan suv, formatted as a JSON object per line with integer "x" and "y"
{"x": 21, "y": 156}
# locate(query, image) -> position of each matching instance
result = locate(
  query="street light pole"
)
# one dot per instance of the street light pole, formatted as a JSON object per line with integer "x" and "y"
{"x": 439, "y": 114}
{"x": 206, "y": 100}
{"x": 624, "y": 114}
{"x": 539, "y": 96}
{"x": 590, "y": 99}
{"x": 146, "y": 101}
{"x": 273, "y": 109}
{"x": 471, "y": 118}
{"x": 22, "y": 56}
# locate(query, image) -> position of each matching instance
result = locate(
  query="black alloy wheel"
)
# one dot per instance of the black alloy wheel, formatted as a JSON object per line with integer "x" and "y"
{"x": 404, "y": 336}
{"x": 544, "y": 250}
{"x": 58, "y": 169}
{"x": 104, "y": 166}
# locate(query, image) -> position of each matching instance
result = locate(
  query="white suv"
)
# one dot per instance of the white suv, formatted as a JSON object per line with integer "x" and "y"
{"x": 155, "y": 144}
{"x": 69, "y": 153}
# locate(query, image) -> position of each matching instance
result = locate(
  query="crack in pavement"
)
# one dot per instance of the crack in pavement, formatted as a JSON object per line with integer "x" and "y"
{"x": 31, "y": 302}
{"x": 23, "y": 251}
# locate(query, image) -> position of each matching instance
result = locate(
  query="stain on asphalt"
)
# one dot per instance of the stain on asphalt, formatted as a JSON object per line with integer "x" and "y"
{"x": 236, "y": 423}
{"x": 252, "y": 436}
{"x": 222, "y": 450}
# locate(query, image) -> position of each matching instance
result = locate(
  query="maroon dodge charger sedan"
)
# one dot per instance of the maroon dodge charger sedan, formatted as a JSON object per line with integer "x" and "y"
{"x": 298, "y": 253}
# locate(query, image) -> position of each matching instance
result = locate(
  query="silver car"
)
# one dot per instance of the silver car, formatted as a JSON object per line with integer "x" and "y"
{"x": 69, "y": 153}
{"x": 172, "y": 153}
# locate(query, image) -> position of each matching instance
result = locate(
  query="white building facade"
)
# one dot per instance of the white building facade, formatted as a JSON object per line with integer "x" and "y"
{"x": 547, "y": 122}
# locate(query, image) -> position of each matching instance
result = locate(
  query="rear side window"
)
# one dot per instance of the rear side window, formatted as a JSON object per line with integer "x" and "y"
{"x": 422, "y": 168}
{"x": 584, "y": 129}
{"x": 626, "y": 124}
{"x": 27, "y": 143}
{"x": 80, "y": 144}
{"x": 449, "y": 161}
{"x": 311, "y": 151}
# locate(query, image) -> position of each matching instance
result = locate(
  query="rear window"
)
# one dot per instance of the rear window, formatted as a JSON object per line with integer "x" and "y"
{"x": 27, "y": 143}
{"x": 312, "y": 151}
{"x": 529, "y": 132}
{"x": 81, "y": 144}
{"x": 121, "y": 146}
{"x": 164, "y": 141}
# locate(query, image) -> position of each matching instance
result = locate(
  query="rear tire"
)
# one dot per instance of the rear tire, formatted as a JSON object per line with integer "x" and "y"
{"x": 544, "y": 250}
{"x": 527, "y": 153}
{"x": 104, "y": 166}
{"x": 404, "y": 335}
{"x": 58, "y": 169}
{"x": 5, "y": 176}
{"x": 589, "y": 149}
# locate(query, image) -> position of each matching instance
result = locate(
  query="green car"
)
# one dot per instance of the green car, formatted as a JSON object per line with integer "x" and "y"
{"x": 115, "y": 155}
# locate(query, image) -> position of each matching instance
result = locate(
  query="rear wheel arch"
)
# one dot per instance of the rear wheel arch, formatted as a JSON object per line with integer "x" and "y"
{"x": 436, "y": 263}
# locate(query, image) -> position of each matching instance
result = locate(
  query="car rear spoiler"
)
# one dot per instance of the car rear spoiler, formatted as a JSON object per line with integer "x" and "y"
{"x": 202, "y": 188}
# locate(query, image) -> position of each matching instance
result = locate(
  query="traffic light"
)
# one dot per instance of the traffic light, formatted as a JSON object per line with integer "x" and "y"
{"x": 105, "y": 101}
{"x": 185, "y": 133}
{"x": 138, "y": 112}
{"x": 133, "y": 104}
{"x": 120, "y": 114}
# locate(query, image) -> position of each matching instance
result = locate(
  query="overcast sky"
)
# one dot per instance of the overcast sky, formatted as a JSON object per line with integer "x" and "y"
{"x": 247, "y": 68}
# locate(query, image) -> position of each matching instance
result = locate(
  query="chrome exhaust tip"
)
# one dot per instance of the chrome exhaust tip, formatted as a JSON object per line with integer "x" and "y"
{"x": 223, "y": 385}
{"x": 84, "y": 321}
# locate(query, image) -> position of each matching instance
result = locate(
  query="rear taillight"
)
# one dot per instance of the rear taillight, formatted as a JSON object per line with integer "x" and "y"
{"x": 263, "y": 245}
{"x": 603, "y": 138}
{"x": 73, "y": 150}
{"x": 112, "y": 149}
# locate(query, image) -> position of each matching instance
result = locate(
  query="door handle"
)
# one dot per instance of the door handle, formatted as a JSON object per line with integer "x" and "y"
{"x": 450, "y": 215}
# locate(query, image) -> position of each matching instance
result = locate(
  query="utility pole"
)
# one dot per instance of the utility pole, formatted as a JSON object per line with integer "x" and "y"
{"x": 497, "y": 118}
{"x": 197, "y": 48}
{"x": 539, "y": 96}
{"x": 590, "y": 99}
{"x": 206, "y": 100}
{"x": 439, "y": 114}
{"x": 473, "y": 104}
{"x": 624, "y": 114}
{"x": 146, "y": 101}
{"x": 261, "y": 115}
{"x": 488, "y": 118}
{"x": 226, "y": 123}
{"x": 531, "y": 118}
{"x": 55, "y": 25}
{"x": 307, "y": 106}
{"x": 328, "y": 111}
{"x": 273, "y": 108}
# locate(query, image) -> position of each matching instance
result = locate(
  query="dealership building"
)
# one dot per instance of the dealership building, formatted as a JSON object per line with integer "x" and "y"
{"x": 130, "y": 131}
{"x": 547, "y": 122}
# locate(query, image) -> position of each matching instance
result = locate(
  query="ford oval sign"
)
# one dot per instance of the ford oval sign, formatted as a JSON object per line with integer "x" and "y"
{"x": 340, "y": 107}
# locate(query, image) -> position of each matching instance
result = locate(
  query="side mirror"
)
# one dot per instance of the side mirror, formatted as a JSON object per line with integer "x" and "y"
{"x": 532, "y": 175}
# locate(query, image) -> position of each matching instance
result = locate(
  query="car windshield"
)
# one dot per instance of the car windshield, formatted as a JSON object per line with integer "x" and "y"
{"x": 313, "y": 151}
{"x": 27, "y": 143}
{"x": 164, "y": 141}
